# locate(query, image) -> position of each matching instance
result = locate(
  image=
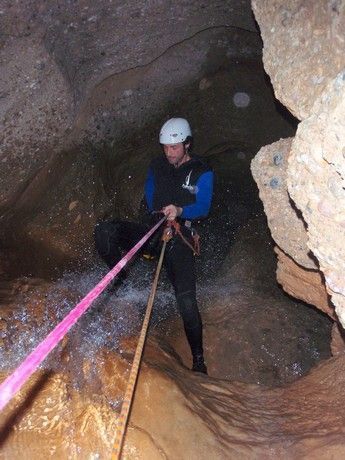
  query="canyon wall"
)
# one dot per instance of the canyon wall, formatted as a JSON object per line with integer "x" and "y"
{"x": 84, "y": 89}
{"x": 301, "y": 180}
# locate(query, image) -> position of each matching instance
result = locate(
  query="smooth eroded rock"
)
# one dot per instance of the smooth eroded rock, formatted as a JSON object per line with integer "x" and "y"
{"x": 304, "y": 284}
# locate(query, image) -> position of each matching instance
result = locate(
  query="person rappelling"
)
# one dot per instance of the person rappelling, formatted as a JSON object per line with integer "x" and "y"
{"x": 179, "y": 185}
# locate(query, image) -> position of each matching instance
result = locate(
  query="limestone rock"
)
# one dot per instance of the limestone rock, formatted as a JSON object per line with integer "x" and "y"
{"x": 42, "y": 423}
{"x": 36, "y": 110}
{"x": 70, "y": 408}
{"x": 51, "y": 417}
{"x": 338, "y": 340}
{"x": 55, "y": 58}
{"x": 84, "y": 89}
{"x": 316, "y": 183}
{"x": 269, "y": 169}
{"x": 303, "y": 48}
{"x": 307, "y": 285}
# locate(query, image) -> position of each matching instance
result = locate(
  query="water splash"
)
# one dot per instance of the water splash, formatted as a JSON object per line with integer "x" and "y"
{"x": 110, "y": 318}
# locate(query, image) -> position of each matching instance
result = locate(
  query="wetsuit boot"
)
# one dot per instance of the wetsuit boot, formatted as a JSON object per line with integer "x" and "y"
{"x": 194, "y": 337}
{"x": 199, "y": 364}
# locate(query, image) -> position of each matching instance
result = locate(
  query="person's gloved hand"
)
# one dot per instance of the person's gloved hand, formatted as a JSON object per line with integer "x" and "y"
{"x": 171, "y": 211}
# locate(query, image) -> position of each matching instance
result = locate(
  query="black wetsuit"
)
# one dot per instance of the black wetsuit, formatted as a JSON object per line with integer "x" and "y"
{"x": 190, "y": 187}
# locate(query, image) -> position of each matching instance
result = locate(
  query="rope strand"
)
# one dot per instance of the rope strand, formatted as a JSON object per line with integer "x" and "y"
{"x": 133, "y": 377}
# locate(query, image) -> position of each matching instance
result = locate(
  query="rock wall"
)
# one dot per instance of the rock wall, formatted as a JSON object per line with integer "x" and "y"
{"x": 303, "y": 48}
{"x": 297, "y": 268}
{"x": 84, "y": 89}
{"x": 304, "y": 44}
{"x": 316, "y": 184}
{"x": 269, "y": 169}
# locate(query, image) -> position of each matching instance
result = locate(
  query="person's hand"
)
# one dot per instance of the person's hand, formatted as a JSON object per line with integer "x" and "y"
{"x": 171, "y": 211}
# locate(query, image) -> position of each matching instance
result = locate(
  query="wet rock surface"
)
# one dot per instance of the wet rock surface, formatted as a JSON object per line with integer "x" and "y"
{"x": 252, "y": 334}
{"x": 241, "y": 420}
{"x": 253, "y": 331}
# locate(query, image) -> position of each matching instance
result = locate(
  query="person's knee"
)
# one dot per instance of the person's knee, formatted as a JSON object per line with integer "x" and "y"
{"x": 188, "y": 308}
{"x": 103, "y": 233}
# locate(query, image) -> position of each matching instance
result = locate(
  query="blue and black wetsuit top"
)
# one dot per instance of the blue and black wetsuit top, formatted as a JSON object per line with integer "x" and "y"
{"x": 190, "y": 186}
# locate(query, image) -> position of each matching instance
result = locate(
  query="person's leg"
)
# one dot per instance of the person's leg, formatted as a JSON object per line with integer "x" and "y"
{"x": 112, "y": 236}
{"x": 180, "y": 265}
{"x": 106, "y": 241}
{"x": 129, "y": 233}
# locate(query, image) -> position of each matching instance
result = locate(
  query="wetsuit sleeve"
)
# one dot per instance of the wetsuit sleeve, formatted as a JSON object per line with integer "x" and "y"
{"x": 203, "y": 198}
{"x": 149, "y": 189}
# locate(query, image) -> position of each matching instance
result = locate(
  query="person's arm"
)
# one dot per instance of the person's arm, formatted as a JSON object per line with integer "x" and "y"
{"x": 149, "y": 189}
{"x": 202, "y": 204}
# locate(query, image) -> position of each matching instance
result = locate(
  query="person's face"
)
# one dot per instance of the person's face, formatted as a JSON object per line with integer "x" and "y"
{"x": 175, "y": 153}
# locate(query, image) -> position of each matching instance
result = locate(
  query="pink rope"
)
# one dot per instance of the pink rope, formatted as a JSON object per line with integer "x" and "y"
{"x": 16, "y": 380}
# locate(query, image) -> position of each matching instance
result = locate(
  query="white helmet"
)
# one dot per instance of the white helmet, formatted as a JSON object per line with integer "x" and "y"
{"x": 174, "y": 131}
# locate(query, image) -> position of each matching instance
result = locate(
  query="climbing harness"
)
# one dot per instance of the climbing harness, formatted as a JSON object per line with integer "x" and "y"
{"x": 13, "y": 383}
{"x": 129, "y": 394}
{"x": 195, "y": 247}
{"x": 176, "y": 228}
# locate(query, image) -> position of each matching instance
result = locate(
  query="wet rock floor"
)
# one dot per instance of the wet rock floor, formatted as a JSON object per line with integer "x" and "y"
{"x": 253, "y": 332}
